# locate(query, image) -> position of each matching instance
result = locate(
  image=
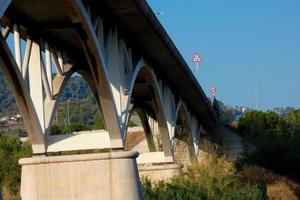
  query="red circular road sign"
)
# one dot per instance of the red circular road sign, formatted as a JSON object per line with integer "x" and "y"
{"x": 213, "y": 89}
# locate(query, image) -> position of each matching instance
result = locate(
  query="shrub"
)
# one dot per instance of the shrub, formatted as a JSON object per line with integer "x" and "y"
{"x": 131, "y": 124}
{"x": 55, "y": 130}
{"x": 76, "y": 128}
{"x": 99, "y": 122}
{"x": 209, "y": 188}
{"x": 275, "y": 141}
{"x": 213, "y": 179}
{"x": 11, "y": 151}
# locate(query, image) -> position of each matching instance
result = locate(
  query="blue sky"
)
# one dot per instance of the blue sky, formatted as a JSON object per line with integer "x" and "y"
{"x": 239, "y": 41}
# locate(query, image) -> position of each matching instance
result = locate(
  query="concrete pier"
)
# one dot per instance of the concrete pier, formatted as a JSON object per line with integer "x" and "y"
{"x": 81, "y": 177}
{"x": 159, "y": 172}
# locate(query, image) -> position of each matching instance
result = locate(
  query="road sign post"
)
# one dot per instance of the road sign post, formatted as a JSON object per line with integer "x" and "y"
{"x": 213, "y": 90}
{"x": 196, "y": 60}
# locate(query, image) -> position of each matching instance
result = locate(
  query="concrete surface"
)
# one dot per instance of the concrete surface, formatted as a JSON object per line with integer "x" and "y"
{"x": 81, "y": 177}
{"x": 159, "y": 172}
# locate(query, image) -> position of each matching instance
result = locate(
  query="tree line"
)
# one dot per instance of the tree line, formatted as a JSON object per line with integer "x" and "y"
{"x": 272, "y": 141}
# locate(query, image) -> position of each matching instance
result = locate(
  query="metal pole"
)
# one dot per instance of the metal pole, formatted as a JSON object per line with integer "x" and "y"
{"x": 255, "y": 93}
{"x": 196, "y": 67}
{"x": 68, "y": 101}
{"x": 56, "y": 118}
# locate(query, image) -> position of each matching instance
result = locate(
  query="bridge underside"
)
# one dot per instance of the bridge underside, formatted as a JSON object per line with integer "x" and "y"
{"x": 129, "y": 62}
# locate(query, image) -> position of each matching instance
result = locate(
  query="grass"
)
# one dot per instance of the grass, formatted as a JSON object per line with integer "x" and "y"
{"x": 213, "y": 179}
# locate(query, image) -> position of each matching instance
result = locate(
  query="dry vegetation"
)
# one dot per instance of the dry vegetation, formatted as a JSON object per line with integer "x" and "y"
{"x": 213, "y": 179}
{"x": 278, "y": 187}
{"x": 283, "y": 190}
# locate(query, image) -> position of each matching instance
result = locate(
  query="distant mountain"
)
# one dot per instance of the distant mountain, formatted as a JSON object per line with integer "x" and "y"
{"x": 6, "y": 98}
{"x": 76, "y": 88}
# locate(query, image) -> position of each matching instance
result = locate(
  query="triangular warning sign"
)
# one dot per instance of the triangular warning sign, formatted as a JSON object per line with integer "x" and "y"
{"x": 196, "y": 58}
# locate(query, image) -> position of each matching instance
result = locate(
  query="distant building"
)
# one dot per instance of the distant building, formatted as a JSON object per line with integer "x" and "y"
{"x": 12, "y": 121}
{"x": 3, "y": 119}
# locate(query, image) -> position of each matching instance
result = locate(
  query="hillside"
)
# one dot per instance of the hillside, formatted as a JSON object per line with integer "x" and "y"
{"x": 6, "y": 98}
{"x": 76, "y": 89}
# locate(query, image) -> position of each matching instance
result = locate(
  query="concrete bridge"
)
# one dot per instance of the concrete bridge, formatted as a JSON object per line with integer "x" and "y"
{"x": 129, "y": 62}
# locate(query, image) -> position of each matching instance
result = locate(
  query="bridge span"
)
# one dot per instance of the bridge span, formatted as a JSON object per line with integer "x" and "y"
{"x": 129, "y": 62}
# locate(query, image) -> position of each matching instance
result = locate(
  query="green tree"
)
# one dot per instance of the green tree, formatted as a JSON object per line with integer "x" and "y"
{"x": 55, "y": 130}
{"x": 11, "y": 150}
{"x": 293, "y": 116}
{"x": 75, "y": 127}
{"x": 99, "y": 122}
{"x": 274, "y": 141}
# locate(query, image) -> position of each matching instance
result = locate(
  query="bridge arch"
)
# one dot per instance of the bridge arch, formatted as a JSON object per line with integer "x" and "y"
{"x": 148, "y": 133}
{"x": 144, "y": 94}
{"x": 183, "y": 142}
{"x": 92, "y": 43}
{"x": 16, "y": 83}
{"x": 92, "y": 64}
{"x": 60, "y": 83}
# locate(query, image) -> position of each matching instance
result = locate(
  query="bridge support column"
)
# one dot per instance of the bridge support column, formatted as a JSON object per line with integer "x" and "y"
{"x": 159, "y": 172}
{"x": 88, "y": 176}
